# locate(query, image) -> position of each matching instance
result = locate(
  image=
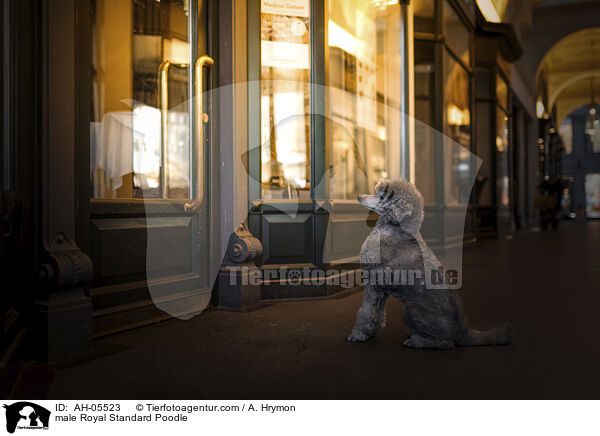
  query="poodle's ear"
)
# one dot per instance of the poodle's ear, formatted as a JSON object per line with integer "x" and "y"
{"x": 405, "y": 211}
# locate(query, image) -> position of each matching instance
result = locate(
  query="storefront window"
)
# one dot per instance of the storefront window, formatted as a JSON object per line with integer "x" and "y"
{"x": 424, "y": 16}
{"x": 592, "y": 129}
{"x": 285, "y": 100}
{"x": 424, "y": 114}
{"x": 364, "y": 95}
{"x": 457, "y": 117}
{"x": 592, "y": 195}
{"x": 502, "y": 143}
{"x": 456, "y": 34}
{"x": 131, "y": 40}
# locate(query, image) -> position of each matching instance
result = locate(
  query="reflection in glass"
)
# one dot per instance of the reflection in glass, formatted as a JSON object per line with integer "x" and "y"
{"x": 130, "y": 40}
{"x": 364, "y": 95}
{"x": 456, "y": 34}
{"x": 457, "y": 117}
{"x": 285, "y": 130}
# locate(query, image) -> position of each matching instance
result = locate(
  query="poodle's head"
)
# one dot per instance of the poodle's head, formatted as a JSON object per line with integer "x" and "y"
{"x": 397, "y": 202}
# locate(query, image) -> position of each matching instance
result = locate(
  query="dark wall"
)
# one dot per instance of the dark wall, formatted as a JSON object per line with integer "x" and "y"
{"x": 19, "y": 151}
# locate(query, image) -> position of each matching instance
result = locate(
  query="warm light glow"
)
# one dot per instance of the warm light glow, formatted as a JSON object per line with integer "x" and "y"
{"x": 177, "y": 51}
{"x": 540, "y": 110}
{"x": 384, "y": 3}
{"x": 489, "y": 11}
{"x": 457, "y": 117}
{"x": 499, "y": 144}
{"x": 339, "y": 37}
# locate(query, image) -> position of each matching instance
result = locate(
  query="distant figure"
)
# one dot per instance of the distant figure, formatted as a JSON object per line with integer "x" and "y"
{"x": 548, "y": 201}
{"x": 435, "y": 316}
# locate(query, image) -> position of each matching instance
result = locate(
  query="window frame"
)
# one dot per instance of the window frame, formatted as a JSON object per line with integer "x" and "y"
{"x": 319, "y": 79}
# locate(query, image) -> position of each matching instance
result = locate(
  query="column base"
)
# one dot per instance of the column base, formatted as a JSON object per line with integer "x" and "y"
{"x": 237, "y": 290}
{"x": 62, "y": 325}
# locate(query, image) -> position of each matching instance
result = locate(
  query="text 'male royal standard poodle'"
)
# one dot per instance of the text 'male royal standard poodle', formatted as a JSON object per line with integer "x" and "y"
{"x": 435, "y": 317}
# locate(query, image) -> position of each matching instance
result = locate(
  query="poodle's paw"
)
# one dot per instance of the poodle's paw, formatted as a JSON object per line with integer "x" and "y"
{"x": 416, "y": 341}
{"x": 357, "y": 336}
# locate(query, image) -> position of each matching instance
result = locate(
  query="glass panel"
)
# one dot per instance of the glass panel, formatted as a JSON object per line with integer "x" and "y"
{"x": 130, "y": 41}
{"x": 456, "y": 34}
{"x": 484, "y": 184}
{"x": 424, "y": 106}
{"x": 592, "y": 129}
{"x": 502, "y": 167}
{"x": 592, "y": 195}
{"x": 457, "y": 118}
{"x": 285, "y": 102}
{"x": 502, "y": 91}
{"x": 424, "y": 16}
{"x": 364, "y": 95}
{"x": 566, "y": 133}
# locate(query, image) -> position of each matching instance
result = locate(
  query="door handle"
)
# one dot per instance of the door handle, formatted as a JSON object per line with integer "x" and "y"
{"x": 199, "y": 133}
{"x": 163, "y": 96}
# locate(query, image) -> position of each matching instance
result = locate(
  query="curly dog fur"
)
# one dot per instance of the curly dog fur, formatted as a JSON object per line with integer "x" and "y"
{"x": 435, "y": 317}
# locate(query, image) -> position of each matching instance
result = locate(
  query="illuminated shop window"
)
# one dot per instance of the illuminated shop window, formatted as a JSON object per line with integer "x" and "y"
{"x": 424, "y": 113}
{"x": 457, "y": 116}
{"x": 360, "y": 141}
{"x": 130, "y": 41}
{"x": 457, "y": 35}
{"x": 285, "y": 100}
{"x": 364, "y": 95}
{"x": 502, "y": 156}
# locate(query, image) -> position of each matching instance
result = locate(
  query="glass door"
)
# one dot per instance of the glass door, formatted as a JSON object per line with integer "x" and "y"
{"x": 150, "y": 138}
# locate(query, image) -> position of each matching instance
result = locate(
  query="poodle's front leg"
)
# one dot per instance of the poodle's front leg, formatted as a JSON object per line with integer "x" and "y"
{"x": 371, "y": 315}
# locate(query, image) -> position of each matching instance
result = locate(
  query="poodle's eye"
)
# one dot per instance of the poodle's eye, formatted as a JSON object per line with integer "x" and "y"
{"x": 382, "y": 194}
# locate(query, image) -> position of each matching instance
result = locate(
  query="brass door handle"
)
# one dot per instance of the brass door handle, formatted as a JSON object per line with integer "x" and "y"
{"x": 200, "y": 118}
{"x": 163, "y": 96}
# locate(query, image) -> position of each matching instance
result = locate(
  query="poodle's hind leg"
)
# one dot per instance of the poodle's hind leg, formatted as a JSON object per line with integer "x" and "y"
{"x": 371, "y": 316}
{"x": 417, "y": 341}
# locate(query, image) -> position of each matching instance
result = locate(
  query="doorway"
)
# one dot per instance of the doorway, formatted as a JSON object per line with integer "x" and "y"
{"x": 150, "y": 123}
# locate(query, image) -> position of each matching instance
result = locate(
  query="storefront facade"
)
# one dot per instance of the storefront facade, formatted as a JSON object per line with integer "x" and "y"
{"x": 161, "y": 126}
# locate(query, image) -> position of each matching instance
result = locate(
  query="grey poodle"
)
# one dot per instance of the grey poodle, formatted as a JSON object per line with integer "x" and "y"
{"x": 435, "y": 317}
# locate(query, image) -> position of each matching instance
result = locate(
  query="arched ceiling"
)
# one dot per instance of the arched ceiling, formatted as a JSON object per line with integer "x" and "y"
{"x": 568, "y": 69}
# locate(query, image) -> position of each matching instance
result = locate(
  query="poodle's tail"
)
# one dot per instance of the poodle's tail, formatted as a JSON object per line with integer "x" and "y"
{"x": 496, "y": 336}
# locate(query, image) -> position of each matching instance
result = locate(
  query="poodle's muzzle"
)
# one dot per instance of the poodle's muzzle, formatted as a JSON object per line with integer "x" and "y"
{"x": 371, "y": 202}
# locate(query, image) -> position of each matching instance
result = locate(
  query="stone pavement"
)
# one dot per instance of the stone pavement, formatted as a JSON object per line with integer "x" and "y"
{"x": 547, "y": 284}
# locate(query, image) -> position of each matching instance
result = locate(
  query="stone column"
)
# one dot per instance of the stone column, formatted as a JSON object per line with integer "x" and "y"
{"x": 62, "y": 311}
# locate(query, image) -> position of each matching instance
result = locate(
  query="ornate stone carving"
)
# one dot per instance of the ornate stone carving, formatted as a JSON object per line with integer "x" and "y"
{"x": 242, "y": 247}
{"x": 68, "y": 269}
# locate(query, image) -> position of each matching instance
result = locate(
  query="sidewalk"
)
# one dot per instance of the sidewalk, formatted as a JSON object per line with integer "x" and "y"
{"x": 547, "y": 284}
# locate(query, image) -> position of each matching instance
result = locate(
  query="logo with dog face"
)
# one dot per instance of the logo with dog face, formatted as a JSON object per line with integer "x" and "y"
{"x": 26, "y": 416}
